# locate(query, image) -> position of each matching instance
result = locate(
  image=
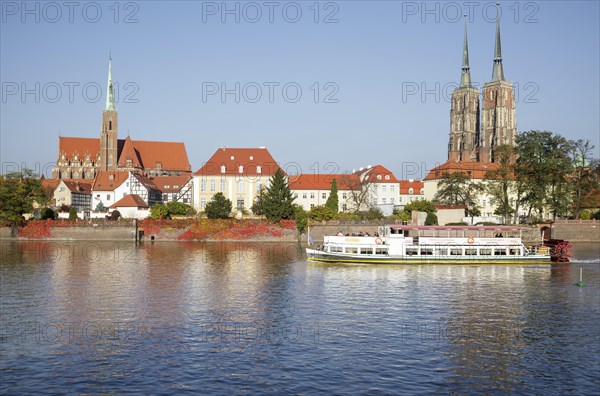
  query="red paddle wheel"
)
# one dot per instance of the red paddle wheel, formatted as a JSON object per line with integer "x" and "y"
{"x": 560, "y": 250}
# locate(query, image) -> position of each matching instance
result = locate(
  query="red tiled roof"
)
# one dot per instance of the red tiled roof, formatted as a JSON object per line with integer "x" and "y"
{"x": 104, "y": 182}
{"x": 50, "y": 183}
{"x": 416, "y": 185}
{"x": 476, "y": 170}
{"x": 146, "y": 182}
{"x": 323, "y": 181}
{"x": 370, "y": 175}
{"x": 171, "y": 155}
{"x": 129, "y": 201}
{"x": 170, "y": 184}
{"x": 233, "y": 158}
{"x": 78, "y": 186}
{"x": 82, "y": 146}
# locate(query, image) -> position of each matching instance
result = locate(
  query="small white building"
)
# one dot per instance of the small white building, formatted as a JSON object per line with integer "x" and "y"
{"x": 131, "y": 206}
{"x": 382, "y": 186}
{"x": 411, "y": 190}
{"x": 109, "y": 187}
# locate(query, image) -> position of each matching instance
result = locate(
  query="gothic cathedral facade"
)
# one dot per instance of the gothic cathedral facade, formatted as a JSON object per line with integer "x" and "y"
{"x": 472, "y": 140}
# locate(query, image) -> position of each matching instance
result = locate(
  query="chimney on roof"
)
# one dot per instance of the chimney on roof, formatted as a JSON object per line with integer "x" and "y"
{"x": 411, "y": 180}
{"x": 369, "y": 166}
{"x": 262, "y": 147}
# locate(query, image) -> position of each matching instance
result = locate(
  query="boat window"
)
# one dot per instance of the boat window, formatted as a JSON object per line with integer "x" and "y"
{"x": 336, "y": 249}
{"x": 366, "y": 250}
{"x": 514, "y": 252}
{"x": 485, "y": 252}
{"x": 441, "y": 251}
{"x": 426, "y": 251}
{"x": 380, "y": 251}
{"x": 470, "y": 251}
{"x": 456, "y": 251}
{"x": 351, "y": 250}
{"x": 499, "y": 252}
{"x": 411, "y": 250}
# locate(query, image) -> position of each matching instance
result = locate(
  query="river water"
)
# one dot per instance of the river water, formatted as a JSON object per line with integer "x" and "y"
{"x": 95, "y": 318}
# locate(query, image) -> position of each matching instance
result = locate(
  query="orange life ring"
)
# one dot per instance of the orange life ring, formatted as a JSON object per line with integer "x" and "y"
{"x": 378, "y": 241}
{"x": 471, "y": 240}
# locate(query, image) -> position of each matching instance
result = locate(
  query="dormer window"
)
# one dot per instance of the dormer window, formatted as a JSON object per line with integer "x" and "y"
{"x": 241, "y": 169}
{"x": 222, "y": 168}
{"x": 111, "y": 177}
{"x": 387, "y": 177}
{"x": 410, "y": 191}
{"x": 378, "y": 177}
{"x": 422, "y": 191}
{"x": 251, "y": 158}
{"x": 158, "y": 166}
{"x": 258, "y": 169}
{"x": 232, "y": 157}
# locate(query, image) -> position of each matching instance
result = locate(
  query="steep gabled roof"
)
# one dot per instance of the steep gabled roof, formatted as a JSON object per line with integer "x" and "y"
{"x": 370, "y": 175}
{"x": 475, "y": 170}
{"x": 128, "y": 153}
{"x": 78, "y": 186}
{"x": 109, "y": 180}
{"x": 170, "y": 155}
{"x": 50, "y": 183}
{"x": 170, "y": 184}
{"x": 323, "y": 181}
{"x": 146, "y": 182}
{"x": 232, "y": 158}
{"x": 130, "y": 201}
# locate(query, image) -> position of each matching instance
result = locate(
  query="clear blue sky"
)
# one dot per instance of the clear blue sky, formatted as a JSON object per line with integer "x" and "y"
{"x": 374, "y": 56}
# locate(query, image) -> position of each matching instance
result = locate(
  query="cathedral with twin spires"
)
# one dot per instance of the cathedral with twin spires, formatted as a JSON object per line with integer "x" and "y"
{"x": 472, "y": 140}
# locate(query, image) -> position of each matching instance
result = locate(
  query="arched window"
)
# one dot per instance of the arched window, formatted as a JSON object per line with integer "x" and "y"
{"x": 410, "y": 191}
{"x": 240, "y": 185}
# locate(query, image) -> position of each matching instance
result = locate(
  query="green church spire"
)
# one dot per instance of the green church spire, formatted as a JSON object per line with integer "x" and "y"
{"x": 498, "y": 73}
{"x": 465, "y": 78}
{"x": 110, "y": 98}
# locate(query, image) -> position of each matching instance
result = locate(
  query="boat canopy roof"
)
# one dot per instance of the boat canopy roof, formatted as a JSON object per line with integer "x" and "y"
{"x": 455, "y": 228}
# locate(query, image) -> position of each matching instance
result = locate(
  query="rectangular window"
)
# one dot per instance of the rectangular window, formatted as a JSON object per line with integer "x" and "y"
{"x": 222, "y": 185}
{"x": 203, "y": 185}
{"x": 344, "y": 207}
{"x": 312, "y": 195}
{"x": 240, "y": 204}
{"x": 383, "y": 188}
{"x": 108, "y": 197}
{"x": 213, "y": 185}
{"x": 344, "y": 196}
{"x": 312, "y": 206}
{"x": 304, "y": 195}
{"x": 323, "y": 195}
{"x": 203, "y": 203}
{"x": 392, "y": 188}
{"x": 240, "y": 186}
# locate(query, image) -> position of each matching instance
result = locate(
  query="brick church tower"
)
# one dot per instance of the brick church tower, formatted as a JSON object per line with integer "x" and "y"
{"x": 464, "y": 115}
{"x": 499, "y": 122}
{"x": 109, "y": 133}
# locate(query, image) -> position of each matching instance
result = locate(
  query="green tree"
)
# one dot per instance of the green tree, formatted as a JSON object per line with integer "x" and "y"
{"x": 457, "y": 189}
{"x": 180, "y": 209}
{"x": 321, "y": 213}
{"x": 584, "y": 177}
{"x": 18, "y": 191}
{"x": 372, "y": 214}
{"x": 501, "y": 181}
{"x": 219, "y": 207}
{"x": 278, "y": 202}
{"x": 431, "y": 219}
{"x": 47, "y": 213}
{"x": 333, "y": 200}
{"x": 100, "y": 207}
{"x": 257, "y": 206}
{"x": 301, "y": 217}
{"x": 159, "y": 211}
{"x": 420, "y": 206}
{"x": 543, "y": 166}
{"x": 73, "y": 214}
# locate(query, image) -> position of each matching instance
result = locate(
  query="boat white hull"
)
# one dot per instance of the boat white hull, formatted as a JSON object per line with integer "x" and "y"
{"x": 326, "y": 257}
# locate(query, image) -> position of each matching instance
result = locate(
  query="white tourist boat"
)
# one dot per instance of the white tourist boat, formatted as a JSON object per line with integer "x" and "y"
{"x": 397, "y": 244}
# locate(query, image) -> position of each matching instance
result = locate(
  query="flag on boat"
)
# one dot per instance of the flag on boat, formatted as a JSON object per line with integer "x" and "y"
{"x": 310, "y": 241}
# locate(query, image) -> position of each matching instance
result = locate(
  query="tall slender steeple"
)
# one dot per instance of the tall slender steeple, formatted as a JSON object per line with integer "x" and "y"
{"x": 109, "y": 140}
{"x": 465, "y": 78}
{"x": 498, "y": 73}
{"x": 110, "y": 98}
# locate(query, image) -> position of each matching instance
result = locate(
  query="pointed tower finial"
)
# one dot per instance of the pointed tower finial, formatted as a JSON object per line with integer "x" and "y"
{"x": 110, "y": 98}
{"x": 498, "y": 72}
{"x": 465, "y": 78}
